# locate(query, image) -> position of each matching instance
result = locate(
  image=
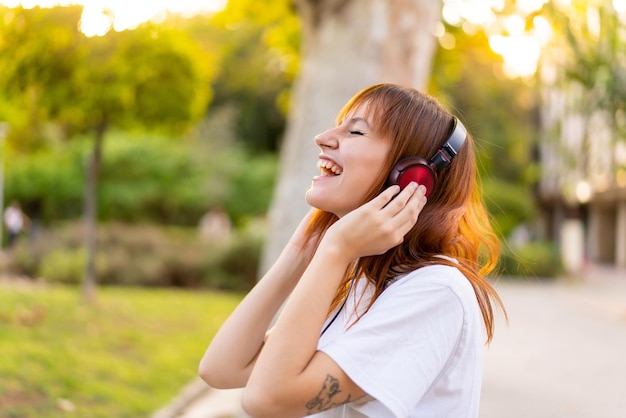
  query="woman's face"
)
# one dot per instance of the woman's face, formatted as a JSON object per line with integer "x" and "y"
{"x": 351, "y": 161}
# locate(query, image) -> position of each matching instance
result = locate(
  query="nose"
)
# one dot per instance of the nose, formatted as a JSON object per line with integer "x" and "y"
{"x": 327, "y": 139}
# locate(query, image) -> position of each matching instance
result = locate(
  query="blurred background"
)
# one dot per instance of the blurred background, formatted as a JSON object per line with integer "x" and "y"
{"x": 154, "y": 157}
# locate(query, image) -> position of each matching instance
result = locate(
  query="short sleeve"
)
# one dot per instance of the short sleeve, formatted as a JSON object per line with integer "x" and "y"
{"x": 397, "y": 350}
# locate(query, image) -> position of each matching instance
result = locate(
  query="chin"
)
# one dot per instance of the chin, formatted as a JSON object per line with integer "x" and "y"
{"x": 313, "y": 199}
{"x": 318, "y": 200}
{"x": 322, "y": 203}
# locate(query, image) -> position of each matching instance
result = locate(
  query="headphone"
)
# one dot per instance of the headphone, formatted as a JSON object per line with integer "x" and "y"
{"x": 424, "y": 172}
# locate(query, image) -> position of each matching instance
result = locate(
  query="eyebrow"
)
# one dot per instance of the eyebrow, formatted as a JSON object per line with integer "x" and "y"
{"x": 359, "y": 119}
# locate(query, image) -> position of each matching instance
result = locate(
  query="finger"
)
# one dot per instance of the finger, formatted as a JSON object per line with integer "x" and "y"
{"x": 401, "y": 200}
{"x": 413, "y": 208}
{"x": 420, "y": 197}
{"x": 383, "y": 199}
{"x": 407, "y": 215}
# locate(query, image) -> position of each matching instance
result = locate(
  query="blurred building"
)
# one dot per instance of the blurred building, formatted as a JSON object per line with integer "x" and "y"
{"x": 582, "y": 187}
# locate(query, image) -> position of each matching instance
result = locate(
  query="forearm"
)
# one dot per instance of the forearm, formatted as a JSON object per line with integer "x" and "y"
{"x": 230, "y": 356}
{"x": 294, "y": 337}
{"x": 290, "y": 374}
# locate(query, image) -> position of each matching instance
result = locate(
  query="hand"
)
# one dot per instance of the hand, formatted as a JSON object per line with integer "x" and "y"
{"x": 299, "y": 241}
{"x": 379, "y": 224}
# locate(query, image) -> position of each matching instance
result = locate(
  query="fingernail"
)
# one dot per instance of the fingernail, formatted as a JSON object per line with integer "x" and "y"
{"x": 421, "y": 189}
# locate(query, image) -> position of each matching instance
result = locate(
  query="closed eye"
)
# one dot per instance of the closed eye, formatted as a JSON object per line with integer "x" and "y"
{"x": 356, "y": 133}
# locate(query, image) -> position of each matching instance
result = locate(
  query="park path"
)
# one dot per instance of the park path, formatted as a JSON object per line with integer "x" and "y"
{"x": 562, "y": 355}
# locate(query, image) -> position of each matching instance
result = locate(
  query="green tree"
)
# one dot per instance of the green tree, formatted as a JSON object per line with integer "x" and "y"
{"x": 38, "y": 49}
{"x": 149, "y": 77}
{"x": 591, "y": 38}
{"x": 500, "y": 113}
{"x": 258, "y": 46}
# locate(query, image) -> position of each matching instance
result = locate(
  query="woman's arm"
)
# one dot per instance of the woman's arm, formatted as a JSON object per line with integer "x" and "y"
{"x": 290, "y": 377}
{"x": 230, "y": 357}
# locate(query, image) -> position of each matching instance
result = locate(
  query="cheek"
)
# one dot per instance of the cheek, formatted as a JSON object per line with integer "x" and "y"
{"x": 371, "y": 170}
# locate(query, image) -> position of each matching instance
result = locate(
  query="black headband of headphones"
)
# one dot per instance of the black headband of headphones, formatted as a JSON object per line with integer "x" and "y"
{"x": 451, "y": 148}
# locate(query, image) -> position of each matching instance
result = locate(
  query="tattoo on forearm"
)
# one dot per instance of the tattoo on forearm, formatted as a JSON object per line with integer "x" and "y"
{"x": 327, "y": 397}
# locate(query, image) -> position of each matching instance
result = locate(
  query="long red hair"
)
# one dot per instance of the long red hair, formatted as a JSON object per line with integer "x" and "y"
{"x": 453, "y": 223}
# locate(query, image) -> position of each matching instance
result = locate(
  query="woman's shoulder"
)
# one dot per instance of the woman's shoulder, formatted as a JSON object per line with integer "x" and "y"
{"x": 436, "y": 276}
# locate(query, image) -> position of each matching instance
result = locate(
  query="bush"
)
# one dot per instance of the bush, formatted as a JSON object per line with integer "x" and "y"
{"x": 48, "y": 184}
{"x": 535, "y": 259}
{"x": 240, "y": 259}
{"x": 143, "y": 255}
{"x": 143, "y": 179}
{"x": 63, "y": 265}
{"x": 251, "y": 188}
{"x": 509, "y": 204}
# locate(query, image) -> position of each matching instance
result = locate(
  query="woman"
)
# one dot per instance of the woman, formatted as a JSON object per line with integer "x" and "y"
{"x": 384, "y": 312}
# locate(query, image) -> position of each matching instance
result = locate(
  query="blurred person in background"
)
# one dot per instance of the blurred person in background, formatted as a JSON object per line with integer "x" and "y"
{"x": 215, "y": 226}
{"x": 16, "y": 222}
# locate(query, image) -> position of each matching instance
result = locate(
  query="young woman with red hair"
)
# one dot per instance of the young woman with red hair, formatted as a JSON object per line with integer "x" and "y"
{"x": 387, "y": 302}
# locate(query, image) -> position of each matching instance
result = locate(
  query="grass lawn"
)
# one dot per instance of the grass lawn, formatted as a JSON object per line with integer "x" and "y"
{"x": 125, "y": 356}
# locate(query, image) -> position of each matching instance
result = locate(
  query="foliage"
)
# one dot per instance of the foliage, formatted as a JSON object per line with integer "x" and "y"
{"x": 591, "y": 44}
{"x": 499, "y": 114}
{"x": 127, "y": 356}
{"x": 263, "y": 38}
{"x": 143, "y": 255}
{"x": 148, "y": 178}
{"x": 63, "y": 265}
{"x": 536, "y": 259}
{"x": 274, "y": 21}
{"x": 155, "y": 75}
{"x": 38, "y": 50}
{"x": 148, "y": 76}
{"x": 251, "y": 189}
{"x": 144, "y": 178}
{"x": 48, "y": 184}
{"x": 235, "y": 266}
{"x": 509, "y": 204}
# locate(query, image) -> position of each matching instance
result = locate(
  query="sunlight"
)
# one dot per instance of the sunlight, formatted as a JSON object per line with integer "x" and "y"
{"x": 529, "y": 6}
{"x": 475, "y": 11}
{"x": 519, "y": 48}
{"x": 94, "y": 22}
{"x": 514, "y": 25}
{"x": 593, "y": 21}
{"x": 520, "y": 53}
{"x": 99, "y": 16}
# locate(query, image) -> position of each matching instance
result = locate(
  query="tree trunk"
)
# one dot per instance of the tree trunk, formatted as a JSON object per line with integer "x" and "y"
{"x": 91, "y": 210}
{"x": 347, "y": 45}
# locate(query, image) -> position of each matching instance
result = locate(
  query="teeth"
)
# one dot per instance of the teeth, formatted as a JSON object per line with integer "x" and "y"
{"x": 328, "y": 166}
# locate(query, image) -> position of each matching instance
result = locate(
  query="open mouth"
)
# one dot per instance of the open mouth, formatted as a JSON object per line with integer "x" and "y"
{"x": 328, "y": 168}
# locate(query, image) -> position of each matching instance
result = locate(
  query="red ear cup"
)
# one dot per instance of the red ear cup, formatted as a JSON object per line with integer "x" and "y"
{"x": 414, "y": 169}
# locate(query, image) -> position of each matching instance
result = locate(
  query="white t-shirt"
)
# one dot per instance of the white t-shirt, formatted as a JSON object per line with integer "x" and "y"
{"x": 13, "y": 219}
{"x": 417, "y": 352}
